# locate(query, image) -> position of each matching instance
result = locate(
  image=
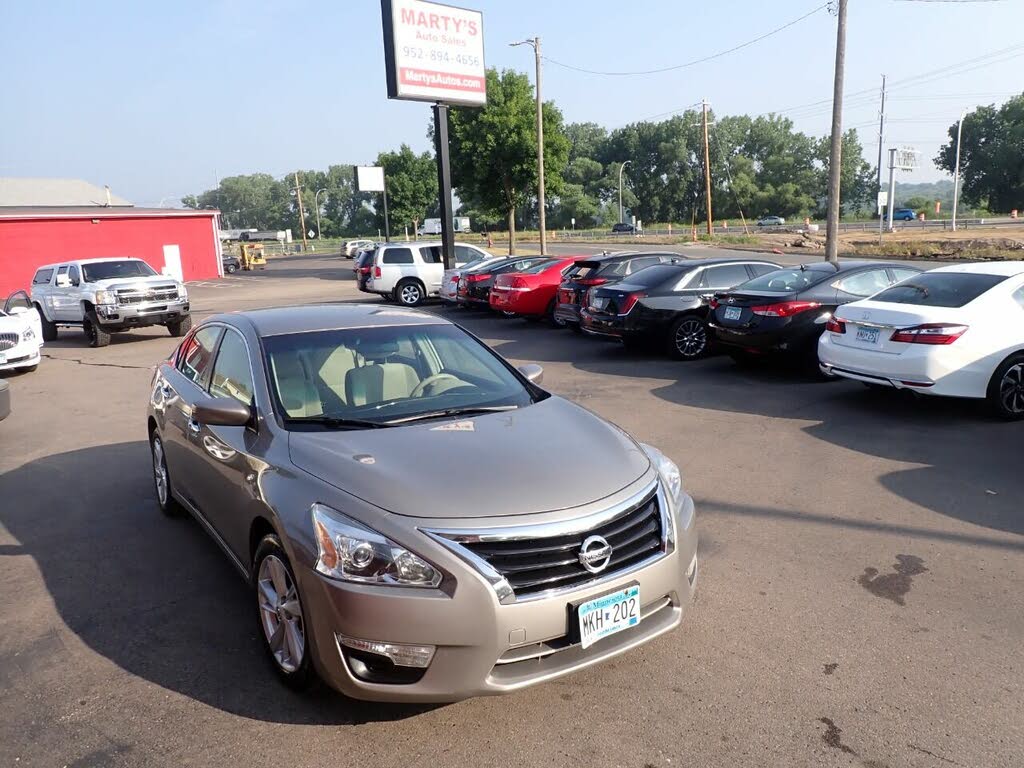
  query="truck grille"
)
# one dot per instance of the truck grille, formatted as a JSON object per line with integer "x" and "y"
{"x": 539, "y": 564}
{"x": 8, "y": 340}
{"x": 158, "y": 293}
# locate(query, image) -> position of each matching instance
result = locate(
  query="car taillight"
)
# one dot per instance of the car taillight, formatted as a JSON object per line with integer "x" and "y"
{"x": 835, "y": 326}
{"x": 629, "y": 300}
{"x": 713, "y": 303}
{"x": 784, "y": 308}
{"x": 518, "y": 284}
{"x": 592, "y": 281}
{"x": 376, "y": 272}
{"x": 476, "y": 278}
{"x": 929, "y": 333}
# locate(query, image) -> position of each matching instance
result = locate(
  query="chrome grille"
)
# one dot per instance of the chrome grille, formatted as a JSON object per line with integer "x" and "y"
{"x": 532, "y": 565}
{"x": 8, "y": 340}
{"x": 156, "y": 294}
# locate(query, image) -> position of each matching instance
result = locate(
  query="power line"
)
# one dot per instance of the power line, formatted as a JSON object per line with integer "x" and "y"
{"x": 695, "y": 61}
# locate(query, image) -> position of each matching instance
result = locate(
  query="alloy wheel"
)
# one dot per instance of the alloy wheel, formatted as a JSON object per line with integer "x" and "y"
{"x": 281, "y": 613}
{"x": 1011, "y": 389}
{"x": 410, "y": 294}
{"x": 690, "y": 338}
{"x": 160, "y": 471}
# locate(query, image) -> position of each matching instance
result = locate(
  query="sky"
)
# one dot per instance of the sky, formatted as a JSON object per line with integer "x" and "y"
{"x": 160, "y": 100}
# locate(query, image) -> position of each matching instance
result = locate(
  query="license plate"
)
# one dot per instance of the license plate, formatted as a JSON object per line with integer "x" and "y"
{"x": 733, "y": 313}
{"x": 867, "y": 335}
{"x": 606, "y": 615}
{"x": 599, "y": 303}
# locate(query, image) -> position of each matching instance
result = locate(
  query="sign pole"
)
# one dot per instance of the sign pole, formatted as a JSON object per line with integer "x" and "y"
{"x": 387, "y": 224}
{"x": 444, "y": 184}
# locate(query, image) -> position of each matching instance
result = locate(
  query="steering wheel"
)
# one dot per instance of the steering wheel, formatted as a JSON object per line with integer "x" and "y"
{"x": 436, "y": 384}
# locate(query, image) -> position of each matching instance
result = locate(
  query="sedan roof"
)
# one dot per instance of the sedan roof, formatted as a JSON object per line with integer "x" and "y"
{"x": 325, "y": 317}
{"x": 1007, "y": 268}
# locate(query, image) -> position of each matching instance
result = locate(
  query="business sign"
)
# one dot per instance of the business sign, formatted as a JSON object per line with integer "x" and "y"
{"x": 369, "y": 178}
{"x": 434, "y": 52}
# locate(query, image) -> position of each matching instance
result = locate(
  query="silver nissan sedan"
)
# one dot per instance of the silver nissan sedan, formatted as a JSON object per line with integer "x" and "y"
{"x": 418, "y": 519}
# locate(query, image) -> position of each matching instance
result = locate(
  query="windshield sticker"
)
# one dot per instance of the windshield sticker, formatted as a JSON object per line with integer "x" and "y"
{"x": 455, "y": 426}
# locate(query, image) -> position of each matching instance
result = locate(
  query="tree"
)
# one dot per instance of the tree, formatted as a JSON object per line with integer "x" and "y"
{"x": 991, "y": 156}
{"x": 494, "y": 148}
{"x": 412, "y": 185}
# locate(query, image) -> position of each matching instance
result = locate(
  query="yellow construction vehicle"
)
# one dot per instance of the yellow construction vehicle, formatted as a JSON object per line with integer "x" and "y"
{"x": 251, "y": 256}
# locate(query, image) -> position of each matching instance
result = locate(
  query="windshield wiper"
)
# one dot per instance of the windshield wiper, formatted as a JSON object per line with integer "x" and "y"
{"x": 473, "y": 411}
{"x": 336, "y": 422}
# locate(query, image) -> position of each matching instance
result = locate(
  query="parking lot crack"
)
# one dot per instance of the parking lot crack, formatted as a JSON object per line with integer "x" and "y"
{"x": 98, "y": 365}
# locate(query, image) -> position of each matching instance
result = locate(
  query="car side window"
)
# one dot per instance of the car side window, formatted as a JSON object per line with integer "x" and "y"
{"x": 62, "y": 270}
{"x": 864, "y": 283}
{"x": 761, "y": 269}
{"x": 197, "y": 354}
{"x": 724, "y": 276}
{"x": 43, "y": 277}
{"x": 635, "y": 265}
{"x": 397, "y": 256}
{"x": 689, "y": 280}
{"x": 465, "y": 254}
{"x": 75, "y": 275}
{"x": 901, "y": 273}
{"x": 431, "y": 254}
{"x": 232, "y": 375}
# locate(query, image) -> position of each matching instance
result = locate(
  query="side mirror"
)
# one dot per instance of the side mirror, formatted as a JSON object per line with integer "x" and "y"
{"x": 221, "y": 412}
{"x": 63, "y": 281}
{"x": 533, "y": 373}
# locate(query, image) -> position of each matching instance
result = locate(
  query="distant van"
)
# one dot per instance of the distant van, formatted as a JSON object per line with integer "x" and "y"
{"x": 433, "y": 226}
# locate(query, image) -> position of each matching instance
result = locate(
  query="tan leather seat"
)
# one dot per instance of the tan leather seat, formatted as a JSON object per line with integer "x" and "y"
{"x": 294, "y": 386}
{"x": 377, "y": 382}
{"x": 329, "y": 372}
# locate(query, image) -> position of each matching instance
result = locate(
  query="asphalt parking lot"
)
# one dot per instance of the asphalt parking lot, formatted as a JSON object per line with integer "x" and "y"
{"x": 861, "y": 600}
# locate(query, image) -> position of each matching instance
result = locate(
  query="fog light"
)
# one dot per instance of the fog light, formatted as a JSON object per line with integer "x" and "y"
{"x": 400, "y": 655}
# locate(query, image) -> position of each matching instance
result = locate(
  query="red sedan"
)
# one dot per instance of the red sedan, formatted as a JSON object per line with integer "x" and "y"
{"x": 531, "y": 293}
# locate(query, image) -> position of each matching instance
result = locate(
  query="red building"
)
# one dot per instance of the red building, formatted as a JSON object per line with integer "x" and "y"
{"x": 182, "y": 243}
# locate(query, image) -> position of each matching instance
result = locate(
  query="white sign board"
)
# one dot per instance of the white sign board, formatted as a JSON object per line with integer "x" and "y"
{"x": 883, "y": 199}
{"x": 434, "y": 52}
{"x": 369, "y": 178}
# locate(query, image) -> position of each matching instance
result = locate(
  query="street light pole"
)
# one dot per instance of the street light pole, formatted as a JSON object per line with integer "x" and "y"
{"x": 624, "y": 164}
{"x": 956, "y": 169}
{"x": 836, "y": 151}
{"x": 316, "y": 201}
{"x": 535, "y": 42}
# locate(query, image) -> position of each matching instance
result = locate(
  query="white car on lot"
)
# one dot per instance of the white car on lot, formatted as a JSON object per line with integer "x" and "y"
{"x": 352, "y": 247}
{"x": 956, "y": 331}
{"x": 21, "y": 334}
{"x": 450, "y": 281}
{"x": 412, "y": 271}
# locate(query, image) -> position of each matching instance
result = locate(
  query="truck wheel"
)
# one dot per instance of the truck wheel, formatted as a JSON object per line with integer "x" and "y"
{"x": 179, "y": 328}
{"x": 49, "y": 329}
{"x": 94, "y": 332}
{"x": 409, "y": 293}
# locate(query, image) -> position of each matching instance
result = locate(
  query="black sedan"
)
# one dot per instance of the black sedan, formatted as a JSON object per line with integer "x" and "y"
{"x": 786, "y": 311}
{"x": 665, "y": 304}
{"x": 606, "y": 268}
{"x": 475, "y": 284}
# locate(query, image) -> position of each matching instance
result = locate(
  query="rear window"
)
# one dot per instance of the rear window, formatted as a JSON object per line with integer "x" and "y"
{"x": 786, "y": 280}
{"x": 656, "y": 275}
{"x": 43, "y": 276}
{"x": 397, "y": 256}
{"x": 939, "y": 289}
{"x": 582, "y": 270}
{"x": 540, "y": 266}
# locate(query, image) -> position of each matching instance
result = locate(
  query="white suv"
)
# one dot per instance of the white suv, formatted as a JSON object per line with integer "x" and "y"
{"x": 410, "y": 272}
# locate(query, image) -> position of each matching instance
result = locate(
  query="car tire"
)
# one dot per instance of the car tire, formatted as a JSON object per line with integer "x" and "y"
{"x": 688, "y": 338}
{"x": 1005, "y": 393}
{"x": 230, "y": 269}
{"x": 409, "y": 293}
{"x": 179, "y": 328}
{"x": 49, "y": 329}
{"x": 29, "y": 368}
{"x": 162, "y": 478}
{"x": 94, "y": 333}
{"x": 549, "y": 315}
{"x": 284, "y": 629}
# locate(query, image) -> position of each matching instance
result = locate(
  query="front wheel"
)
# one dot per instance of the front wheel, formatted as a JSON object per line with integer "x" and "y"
{"x": 179, "y": 328}
{"x": 94, "y": 333}
{"x": 282, "y": 621}
{"x": 688, "y": 338}
{"x": 409, "y": 293}
{"x": 162, "y": 478}
{"x": 49, "y": 329}
{"x": 1006, "y": 389}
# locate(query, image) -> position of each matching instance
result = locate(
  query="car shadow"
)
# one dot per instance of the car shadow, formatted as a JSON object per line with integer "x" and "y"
{"x": 153, "y": 594}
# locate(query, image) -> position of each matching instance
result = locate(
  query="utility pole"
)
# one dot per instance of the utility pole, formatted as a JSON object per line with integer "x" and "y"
{"x": 707, "y": 169}
{"x": 624, "y": 164}
{"x": 836, "y": 152}
{"x": 881, "y": 130}
{"x": 956, "y": 169}
{"x": 892, "y": 184}
{"x": 302, "y": 215}
{"x": 535, "y": 42}
{"x": 316, "y": 202}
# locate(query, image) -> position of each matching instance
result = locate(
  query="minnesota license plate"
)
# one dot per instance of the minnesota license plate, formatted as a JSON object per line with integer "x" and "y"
{"x": 608, "y": 614}
{"x": 733, "y": 313}
{"x": 867, "y": 335}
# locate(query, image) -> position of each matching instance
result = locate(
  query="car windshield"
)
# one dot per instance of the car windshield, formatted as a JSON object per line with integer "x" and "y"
{"x": 107, "y": 270}
{"x": 785, "y": 280}
{"x": 939, "y": 289}
{"x": 383, "y": 376}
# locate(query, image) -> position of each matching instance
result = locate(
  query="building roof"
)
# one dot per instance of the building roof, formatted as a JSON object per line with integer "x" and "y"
{"x": 97, "y": 212}
{"x": 55, "y": 192}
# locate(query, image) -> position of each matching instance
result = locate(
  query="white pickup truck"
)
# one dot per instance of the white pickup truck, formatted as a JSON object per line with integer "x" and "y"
{"x": 105, "y": 296}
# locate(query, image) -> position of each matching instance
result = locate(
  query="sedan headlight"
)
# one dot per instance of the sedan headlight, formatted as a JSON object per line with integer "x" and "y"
{"x": 672, "y": 482}
{"x": 349, "y": 551}
{"x": 106, "y": 297}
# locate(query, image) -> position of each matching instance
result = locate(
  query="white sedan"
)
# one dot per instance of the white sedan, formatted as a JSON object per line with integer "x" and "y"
{"x": 955, "y": 331}
{"x": 21, "y": 334}
{"x": 450, "y": 280}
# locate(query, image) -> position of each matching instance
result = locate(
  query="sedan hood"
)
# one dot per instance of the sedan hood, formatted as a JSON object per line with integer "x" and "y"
{"x": 548, "y": 456}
